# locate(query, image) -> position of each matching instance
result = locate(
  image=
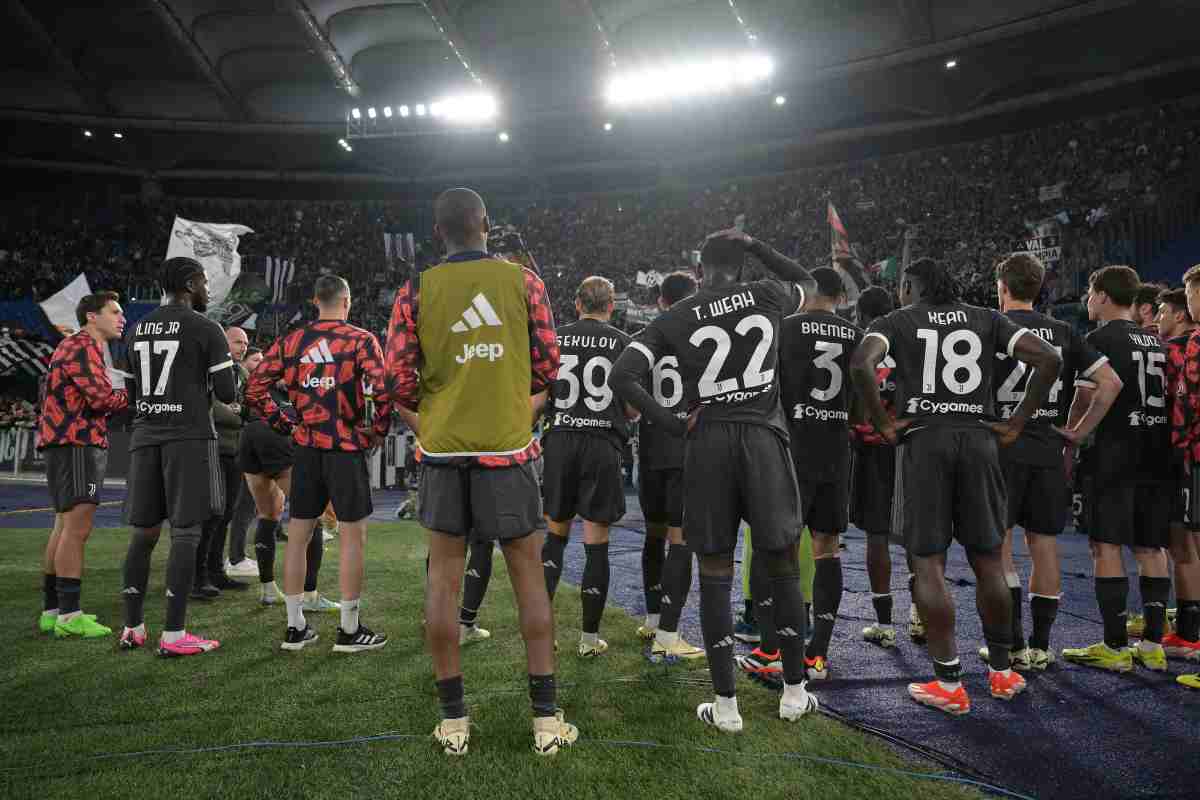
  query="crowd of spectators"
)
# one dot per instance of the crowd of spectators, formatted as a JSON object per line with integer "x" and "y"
{"x": 17, "y": 412}
{"x": 1111, "y": 182}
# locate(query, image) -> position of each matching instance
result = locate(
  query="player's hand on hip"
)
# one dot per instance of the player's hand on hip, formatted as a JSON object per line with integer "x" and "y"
{"x": 1006, "y": 432}
{"x": 892, "y": 429}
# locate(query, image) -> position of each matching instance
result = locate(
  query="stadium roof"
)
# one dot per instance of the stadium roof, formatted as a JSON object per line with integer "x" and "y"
{"x": 266, "y": 68}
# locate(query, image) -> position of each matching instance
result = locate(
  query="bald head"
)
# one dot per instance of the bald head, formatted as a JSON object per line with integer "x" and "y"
{"x": 238, "y": 342}
{"x": 460, "y": 218}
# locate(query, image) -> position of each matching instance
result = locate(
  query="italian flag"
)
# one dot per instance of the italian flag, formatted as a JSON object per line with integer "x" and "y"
{"x": 885, "y": 269}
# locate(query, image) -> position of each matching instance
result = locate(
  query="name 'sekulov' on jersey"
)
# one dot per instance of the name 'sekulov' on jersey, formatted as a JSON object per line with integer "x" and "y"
{"x": 174, "y": 358}
{"x": 583, "y": 400}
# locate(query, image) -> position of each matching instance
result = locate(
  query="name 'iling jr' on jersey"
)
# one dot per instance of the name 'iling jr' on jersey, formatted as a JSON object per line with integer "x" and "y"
{"x": 77, "y": 396}
{"x": 1135, "y": 436}
{"x": 329, "y": 368}
{"x": 1038, "y": 443}
{"x": 945, "y": 373}
{"x": 814, "y": 363}
{"x": 657, "y": 448}
{"x": 582, "y": 400}
{"x": 172, "y": 356}
{"x": 727, "y": 343}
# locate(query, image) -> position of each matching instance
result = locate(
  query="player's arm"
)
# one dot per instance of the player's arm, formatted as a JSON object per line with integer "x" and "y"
{"x": 779, "y": 265}
{"x": 1097, "y": 387}
{"x": 870, "y": 351}
{"x": 404, "y": 358}
{"x": 543, "y": 341}
{"x": 627, "y": 381}
{"x": 1185, "y": 428}
{"x": 96, "y": 387}
{"x": 258, "y": 391}
{"x": 1046, "y": 364}
{"x": 369, "y": 358}
{"x": 221, "y": 367}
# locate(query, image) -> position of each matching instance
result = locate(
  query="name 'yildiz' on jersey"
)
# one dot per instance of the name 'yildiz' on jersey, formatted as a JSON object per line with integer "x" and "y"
{"x": 946, "y": 358}
{"x": 582, "y": 400}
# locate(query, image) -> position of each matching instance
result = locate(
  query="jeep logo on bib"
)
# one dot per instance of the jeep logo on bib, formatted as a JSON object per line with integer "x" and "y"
{"x": 487, "y": 352}
{"x": 314, "y": 382}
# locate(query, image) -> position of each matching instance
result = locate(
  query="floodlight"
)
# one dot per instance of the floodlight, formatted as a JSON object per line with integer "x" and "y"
{"x": 88, "y": 134}
{"x": 780, "y": 99}
{"x": 118, "y": 135}
{"x": 951, "y": 64}
{"x": 712, "y": 75}
{"x": 357, "y": 114}
{"x": 371, "y": 112}
{"x": 387, "y": 111}
{"x": 420, "y": 109}
{"x": 503, "y": 136}
{"x": 435, "y": 109}
{"x": 404, "y": 111}
{"x": 607, "y": 126}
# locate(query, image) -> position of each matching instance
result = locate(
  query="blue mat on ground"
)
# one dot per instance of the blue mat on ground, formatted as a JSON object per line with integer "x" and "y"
{"x": 1073, "y": 731}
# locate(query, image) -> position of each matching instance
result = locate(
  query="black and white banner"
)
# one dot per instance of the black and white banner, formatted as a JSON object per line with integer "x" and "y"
{"x": 26, "y": 355}
{"x": 401, "y": 246}
{"x": 279, "y": 274}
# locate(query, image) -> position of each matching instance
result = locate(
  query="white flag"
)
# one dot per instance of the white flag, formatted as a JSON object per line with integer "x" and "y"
{"x": 60, "y": 307}
{"x": 215, "y": 246}
{"x": 279, "y": 274}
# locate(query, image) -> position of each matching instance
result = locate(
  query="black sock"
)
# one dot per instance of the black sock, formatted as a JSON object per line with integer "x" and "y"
{"x": 948, "y": 672}
{"x": 1000, "y": 647}
{"x": 748, "y": 609}
{"x": 1018, "y": 627}
{"x": 716, "y": 620}
{"x": 594, "y": 586}
{"x": 201, "y": 563}
{"x": 652, "y": 573}
{"x": 312, "y": 559}
{"x": 1043, "y": 610}
{"x": 1155, "y": 594}
{"x": 791, "y": 624}
{"x": 1112, "y": 595}
{"x": 764, "y": 606}
{"x": 264, "y": 549}
{"x": 181, "y": 567}
{"x": 543, "y": 695}
{"x": 677, "y": 583}
{"x": 475, "y": 581}
{"x": 883, "y": 608}
{"x": 552, "y": 560}
{"x": 1187, "y": 621}
{"x": 49, "y": 593}
{"x": 136, "y": 576}
{"x": 827, "y": 596}
{"x": 216, "y": 546}
{"x": 68, "y": 595}
{"x": 450, "y": 697}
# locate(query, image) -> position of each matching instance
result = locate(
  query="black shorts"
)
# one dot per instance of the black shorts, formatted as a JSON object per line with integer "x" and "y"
{"x": 660, "y": 492}
{"x": 1131, "y": 514}
{"x": 949, "y": 485}
{"x": 74, "y": 475}
{"x": 582, "y": 477}
{"x": 320, "y": 477}
{"x": 262, "y": 451}
{"x": 872, "y": 481}
{"x": 177, "y": 481}
{"x": 825, "y": 505}
{"x": 1039, "y": 499}
{"x": 479, "y": 503}
{"x": 739, "y": 472}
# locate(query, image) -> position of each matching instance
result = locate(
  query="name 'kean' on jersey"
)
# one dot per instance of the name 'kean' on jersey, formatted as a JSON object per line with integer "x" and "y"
{"x": 582, "y": 400}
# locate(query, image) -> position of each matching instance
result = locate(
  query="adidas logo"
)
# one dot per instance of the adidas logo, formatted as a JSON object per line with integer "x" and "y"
{"x": 549, "y": 565}
{"x": 826, "y": 616}
{"x": 170, "y": 593}
{"x": 767, "y": 603}
{"x": 593, "y": 590}
{"x": 471, "y": 573}
{"x": 666, "y": 600}
{"x": 478, "y": 314}
{"x": 726, "y": 642}
{"x": 318, "y": 354}
{"x": 787, "y": 632}
{"x": 130, "y": 590}
{"x": 656, "y": 587}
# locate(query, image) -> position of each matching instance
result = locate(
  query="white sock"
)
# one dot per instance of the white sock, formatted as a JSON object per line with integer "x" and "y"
{"x": 51, "y": 611}
{"x": 312, "y": 597}
{"x": 794, "y": 692}
{"x": 270, "y": 589}
{"x": 172, "y": 636}
{"x": 295, "y": 610}
{"x": 140, "y": 630}
{"x": 65, "y": 618}
{"x": 350, "y": 615}
{"x": 666, "y": 639}
{"x": 726, "y": 707}
{"x": 590, "y": 639}
{"x": 1143, "y": 645}
{"x": 652, "y": 621}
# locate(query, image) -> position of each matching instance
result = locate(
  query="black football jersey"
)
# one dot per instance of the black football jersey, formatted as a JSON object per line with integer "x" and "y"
{"x": 814, "y": 366}
{"x": 1134, "y": 437}
{"x": 658, "y": 449}
{"x": 727, "y": 344}
{"x": 945, "y": 360}
{"x": 171, "y": 355}
{"x": 582, "y": 400}
{"x": 1039, "y": 444}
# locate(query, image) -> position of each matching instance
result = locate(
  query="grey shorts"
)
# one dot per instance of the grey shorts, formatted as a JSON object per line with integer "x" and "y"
{"x": 480, "y": 503}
